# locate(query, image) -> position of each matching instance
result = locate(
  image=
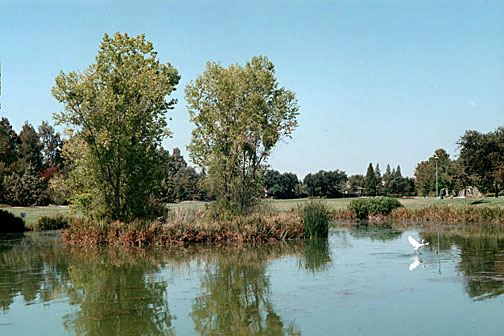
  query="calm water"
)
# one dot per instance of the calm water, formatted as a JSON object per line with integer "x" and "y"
{"x": 360, "y": 281}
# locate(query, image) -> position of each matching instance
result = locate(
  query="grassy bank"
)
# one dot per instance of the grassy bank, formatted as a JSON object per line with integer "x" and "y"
{"x": 33, "y": 214}
{"x": 197, "y": 226}
{"x": 182, "y": 226}
{"x": 414, "y": 210}
{"x": 408, "y": 203}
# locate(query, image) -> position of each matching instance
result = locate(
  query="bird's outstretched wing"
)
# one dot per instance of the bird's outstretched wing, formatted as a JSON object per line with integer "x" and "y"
{"x": 413, "y": 242}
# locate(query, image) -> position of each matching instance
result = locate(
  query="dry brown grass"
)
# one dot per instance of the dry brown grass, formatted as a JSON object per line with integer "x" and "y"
{"x": 180, "y": 227}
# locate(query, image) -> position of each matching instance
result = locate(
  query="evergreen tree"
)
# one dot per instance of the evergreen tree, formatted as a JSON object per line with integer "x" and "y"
{"x": 8, "y": 143}
{"x": 378, "y": 173}
{"x": 370, "y": 181}
{"x": 388, "y": 173}
{"x": 29, "y": 149}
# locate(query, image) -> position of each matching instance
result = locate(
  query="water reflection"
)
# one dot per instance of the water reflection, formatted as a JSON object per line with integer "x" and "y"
{"x": 122, "y": 291}
{"x": 117, "y": 293}
{"x": 481, "y": 259}
{"x": 235, "y": 296}
{"x": 416, "y": 262}
{"x": 33, "y": 267}
{"x": 316, "y": 256}
{"x": 379, "y": 233}
{"x": 111, "y": 291}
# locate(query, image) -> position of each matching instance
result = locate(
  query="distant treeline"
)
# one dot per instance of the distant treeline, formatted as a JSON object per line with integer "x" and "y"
{"x": 34, "y": 170}
{"x": 35, "y": 166}
{"x": 336, "y": 183}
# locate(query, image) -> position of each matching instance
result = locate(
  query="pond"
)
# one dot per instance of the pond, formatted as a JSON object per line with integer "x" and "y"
{"x": 360, "y": 281}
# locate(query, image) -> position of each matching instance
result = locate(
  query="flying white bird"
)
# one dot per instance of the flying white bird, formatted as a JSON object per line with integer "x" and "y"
{"x": 416, "y": 245}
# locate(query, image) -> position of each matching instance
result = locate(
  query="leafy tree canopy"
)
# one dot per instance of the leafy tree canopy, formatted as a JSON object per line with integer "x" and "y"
{"x": 240, "y": 113}
{"x": 117, "y": 109}
{"x": 482, "y": 156}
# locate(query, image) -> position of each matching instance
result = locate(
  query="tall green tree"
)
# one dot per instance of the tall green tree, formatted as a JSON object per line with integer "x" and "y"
{"x": 8, "y": 143}
{"x": 482, "y": 155}
{"x": 240, "y": 113}
{"x": 425, "y": 173}
{"x": 370, "y": 182}
{"x": 326, "y": 183}
{"x": 29, "y": 149}
{"x": 117, "y": 108}
{"x": 52, "y": 144}
{"x": 280, "y": 185}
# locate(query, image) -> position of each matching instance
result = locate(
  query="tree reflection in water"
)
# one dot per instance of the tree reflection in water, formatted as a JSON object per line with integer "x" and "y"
{"x": 481, "y": 259}
{"x": 124, "y": 291}
{"x": 32, "y": 266}
{"x": 235, "y": 293}
{"x": 117, "y": 293}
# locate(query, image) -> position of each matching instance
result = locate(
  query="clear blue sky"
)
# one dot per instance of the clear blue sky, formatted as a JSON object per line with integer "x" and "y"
{"x": 377, "y": 81}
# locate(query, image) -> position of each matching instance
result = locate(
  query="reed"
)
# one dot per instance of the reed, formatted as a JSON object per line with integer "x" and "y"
{"x": 180, "y": 227}
{"x": 44, "y": 223}
{"x": 315, "y": 219}
{"x": 459, "y": 214}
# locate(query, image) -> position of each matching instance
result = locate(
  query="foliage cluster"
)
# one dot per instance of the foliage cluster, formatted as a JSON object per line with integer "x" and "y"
{"x": 56, "y": 222}
{"x": 28, "y": 162}
{"x": 10, "y": 222}
{"x": 390, "y": 184}
{"x": 280, "y": 186}
{"x": 116, "y": 109}
{"x": 362, "y": 208}
{"x": 480, "y": 164}
{"x": 482, "y": 159}
{"x": 239, "y": 113}
{"x": 328, "y": 184}
{"x": 315, "y": 219}
{"x": 179, "y": 182}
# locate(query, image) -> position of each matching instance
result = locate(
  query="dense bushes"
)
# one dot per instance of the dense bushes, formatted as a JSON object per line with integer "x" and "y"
{"x": 362, "y": 208}
{"x": 56, "y": 222}
{"x": 10, "y": 223}
{"x": 315, "y": 219}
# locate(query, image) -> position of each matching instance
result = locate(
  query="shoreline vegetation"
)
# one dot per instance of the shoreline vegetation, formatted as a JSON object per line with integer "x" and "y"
{"x": 191, "y": 223}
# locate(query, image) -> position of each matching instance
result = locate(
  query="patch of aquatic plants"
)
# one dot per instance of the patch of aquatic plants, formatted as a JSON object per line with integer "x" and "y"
{"x": 10, "y": 222}
{"x": 363, "y": 208}
{"x": 458, "y": 214}
{"x": 180, "y": 227}
{"x": 315, "y": 219}
{"x": 44, "y": 223}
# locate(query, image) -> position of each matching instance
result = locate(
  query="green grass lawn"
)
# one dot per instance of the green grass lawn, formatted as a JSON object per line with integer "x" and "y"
{"x": 34, "y": 213}
{"x": 410, "y": 203}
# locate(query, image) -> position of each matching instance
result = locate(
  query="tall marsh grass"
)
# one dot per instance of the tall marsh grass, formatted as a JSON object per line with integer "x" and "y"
{"x": 315, "y": 219}
{"x": 459, "y": 214}
{"x": 180, "y": 227}
{"x": 55, "y": 222}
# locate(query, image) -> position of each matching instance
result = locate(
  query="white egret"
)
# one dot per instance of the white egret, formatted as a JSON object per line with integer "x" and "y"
{"x": 416, "y": 245}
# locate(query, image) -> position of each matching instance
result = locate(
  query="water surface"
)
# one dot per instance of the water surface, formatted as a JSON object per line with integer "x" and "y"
{"x": 360, "y": 281}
